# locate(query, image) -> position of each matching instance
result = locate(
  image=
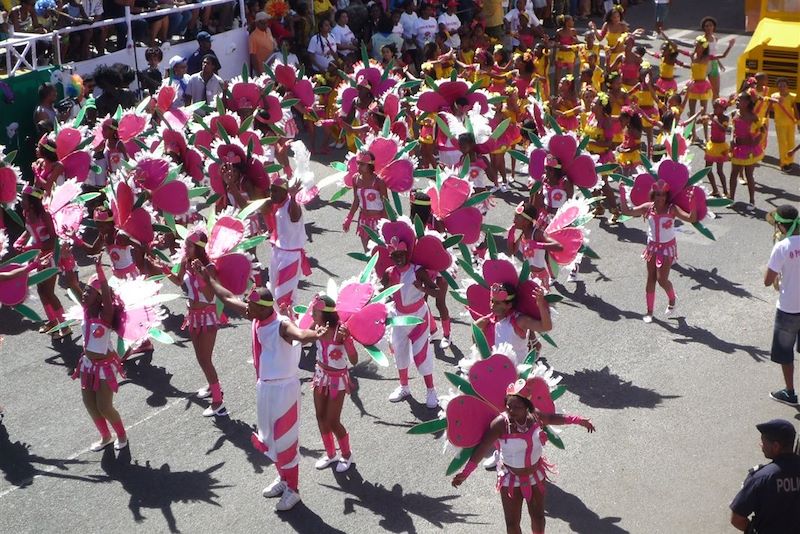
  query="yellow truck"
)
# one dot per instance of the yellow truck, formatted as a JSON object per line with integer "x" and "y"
{"x": 774, "y": 47}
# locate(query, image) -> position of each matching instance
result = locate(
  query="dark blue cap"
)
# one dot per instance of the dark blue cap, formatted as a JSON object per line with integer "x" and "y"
{"x": 778, "y": 429}
{"x": 204, "y": 36}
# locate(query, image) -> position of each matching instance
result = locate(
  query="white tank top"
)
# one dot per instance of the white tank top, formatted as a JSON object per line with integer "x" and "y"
{"x": 194, "y": 285}
{"x": 120, "y": 256}
{"x": 409, "y": 294}
{"x": 276, "y": 359}
{"x": 504, "y": 332}
{"x": 96, "y": 336}
{"x": 370, "y": 199}
{"x": 535, "y": 256}
{"x": 660, "y": 226}
{"x": 521, "y": 450}
{"x": 332, "y": 355}
{"x": 288, "y": 235}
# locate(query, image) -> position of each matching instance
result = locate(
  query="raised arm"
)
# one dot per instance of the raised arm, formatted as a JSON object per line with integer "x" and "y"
{"x": 545, "y": 324}
{"x": 209, "y": 273}
{"x": 564, "y": 419}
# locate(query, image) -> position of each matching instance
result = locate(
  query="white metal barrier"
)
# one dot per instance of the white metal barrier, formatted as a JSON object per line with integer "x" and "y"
{"x": 22, "y": 45}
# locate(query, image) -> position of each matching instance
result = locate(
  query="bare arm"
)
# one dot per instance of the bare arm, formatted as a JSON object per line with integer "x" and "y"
{"x": 545, "y": 324}
{"x": 491, "y": 435}
{"x": 230, "y": 300}
{"x": 291, "y": 332}
{"x": 562, "y": 419}
{"x": 770, "y": 277}
{"x": 739, "y": 522}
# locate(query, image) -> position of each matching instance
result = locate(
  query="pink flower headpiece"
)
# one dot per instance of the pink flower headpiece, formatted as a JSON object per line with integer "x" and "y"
{"x": 255, "y": 298}
{"x": 319, "y": 304}
{"x": 498, "y": 292}
{"x": 395, "y": 245}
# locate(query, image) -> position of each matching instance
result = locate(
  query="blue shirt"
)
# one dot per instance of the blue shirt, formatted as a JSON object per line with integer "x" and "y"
{"x": 772, "y": 494}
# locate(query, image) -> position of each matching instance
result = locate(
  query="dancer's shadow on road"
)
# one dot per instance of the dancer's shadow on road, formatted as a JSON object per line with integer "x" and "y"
{"x": 14, "y": 323}
{"x": 570, "y": 509}
{"x": 419, "y": 411}
{"x": 396, "y": 507}
{"x": 625, "y": 234}
{"x": 237, "y": 433}
{"x": 778, "y": 196}
{"x": 604, "y": 309}
{"x": 140, "y": 371}
{"x": 19, "y": 466}
{"x": 696, "y": 334}
{"x": 66, "y": 356}
{"x": 711, "y": 280}
{"x": 604, "y": 389}
{"x": 159, "y": 488}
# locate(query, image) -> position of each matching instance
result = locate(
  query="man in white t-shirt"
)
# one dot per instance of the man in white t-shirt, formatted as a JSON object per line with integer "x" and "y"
{"x": 450, "y": 24}
{"x": 345, "y": 38}
{"x": 426, "y": 28}
{"x": 784, "y": 262}
{"x": 409, "y": 21}
{"x": 513, "y": 24}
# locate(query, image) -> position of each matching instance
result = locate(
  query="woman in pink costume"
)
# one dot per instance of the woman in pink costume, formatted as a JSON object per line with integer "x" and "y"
{"x": 717, "y": 149}
{"x": 567, "y": 107}
{"x": 201, "y": 318}
{"x": 127, "y": 257}
{"x": 746, "y": 148}
{"x": 662, "y": 249}
{"x": 533, "y": 243}
{"x": 369, "y": 193}
{"x": 40, "y": 234}
{"x": 331, "y": 382}
{"x": 99, "y": 366}
{"x": 519, "y": 434}
{"x": 628, "y": 64}
{"x": 47, "y": 169}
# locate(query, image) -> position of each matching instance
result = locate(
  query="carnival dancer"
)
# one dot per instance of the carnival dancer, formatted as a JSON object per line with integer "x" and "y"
{"x": 566, "y": 43}
{"x": 668, "y": 55}
{"x": 100, "y": 366}
{"x": 700, "y": 89}
{"x": 629, "y": 152}
{"x": 331, "y": 382}
{"x": 410, "y": 342}
{"x": 518, "y": 432}
{"x": 40, "y": 234}
{"x": 717, "y": 148}
{"x": 47, "y": 169}
{"x": 599, "y": 128}
{"x": 369, "y": 193}
{"x": 784, "y": 110}
{"x": 532, "y": 243}
{"x": 480, "y": 170}
{"x": 662, "y": 248}
{"x": 567, "y": 106}
{"x": 276, "y": 357}
{"x": 202, "y": 320}
{"x": 128, "y": 259}
{"x": 746, "y": 147}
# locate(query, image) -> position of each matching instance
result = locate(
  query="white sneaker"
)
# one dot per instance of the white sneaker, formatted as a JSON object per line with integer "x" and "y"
{"x": 203, "y": 393}
{"x": 288, "y": 500}
{"x": 503, "y": 188}
{"x": 444, "y": 343}
{"x": 275, "y": 489}
{"x": 431, "y": 399}
{"x": 220, "y": 412}
{"x": 325, "y": 461}
{"x": 670, "y": 309}
{"x": 98, "y": 446}
{"x": 119, "y": 445}
{"x": 345, "y": 463}
{"x": 491, "y": 461}
{"x": 573, "y": 277}
{"x": 400, "y": 393}
{"x": 648, "y": 318}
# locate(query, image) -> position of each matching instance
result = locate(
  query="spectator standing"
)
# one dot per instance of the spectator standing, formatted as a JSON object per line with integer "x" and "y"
{"x": 771, "y": 493}
{"x": 784, "y": 262}
{"x": 426, "y": 28}
{"x": 409, "y": 22}
{"x": 44, "y": 116}
{"x": 23, "y": 18}
{"x": 450, "y": 24}
{"x": 178, "y": 79}
{"x": 323, "y": 47}
{"x": 151, "y": 77}
{"x": 204, "y": 86}
{"x": 383, "y": 36}
{"x": 194, "y": 63}
{"x": 261, "y": 43}
{"x": 94, "y": 10}
{"x": 662, "y": 9}
{"x": 493, "y": 19}
{"x": 323, "y": 9}
{"x": 345, "y": 38}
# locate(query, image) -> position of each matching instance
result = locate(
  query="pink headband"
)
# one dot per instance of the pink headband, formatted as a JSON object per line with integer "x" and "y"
{"x": 319, "y": 304}
{"x": 660, "y": 186}
{"x": 197, "y": 239}
{"x": 365, "y": 157}
{"x": 255, "y": 298}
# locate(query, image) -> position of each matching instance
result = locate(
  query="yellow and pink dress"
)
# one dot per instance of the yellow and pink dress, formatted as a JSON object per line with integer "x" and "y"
{"x": 717, "y": 148}
{"x": 700, "y": 87}
{"x": 746, "y": 151}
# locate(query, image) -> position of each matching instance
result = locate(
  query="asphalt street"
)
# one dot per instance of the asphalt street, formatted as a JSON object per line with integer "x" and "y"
{"x": 674, "y": 402}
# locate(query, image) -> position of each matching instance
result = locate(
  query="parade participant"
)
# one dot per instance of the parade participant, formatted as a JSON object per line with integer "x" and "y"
{"x": 599, "y": 128}
{"x": 566, "y": 43}
{"x": 518, "y": 433}
{"x": 331, "y": 382}
{"x": 47, "y": 169}
{"x": 700, "y": 89}
{"x": 41, "y": 234}
{"x": 369, "y": 193}
{"x": 566, "y": 106}
{"x": 629, "y": 63}
{"x": 614, "y": 26}
{"x": 127, "y": 257}
{"x": 645, "y": 96}
{"x": 480, "y": 170}
{"x": 783, "y": 270}
{"x": 532, "y": 243}
{"x": 662, "y": 249}
{"x": 99, "y": 366}
{"x": 770, "y": 493}
{"x": 629, "y": 152}
{"x": 202, "y": 320}
{"x": 359, "y": 121}
{"x": 746, "y": 148}
{"x": 284, "y": 217}
{"x": 276, "y": 357}
{"x": 709, "y": 27}
{"x": 784, "y": 111}
{"x": 666, "y": 83}
{"x": 717, "y": 149}
{"x": 541, "y": 72}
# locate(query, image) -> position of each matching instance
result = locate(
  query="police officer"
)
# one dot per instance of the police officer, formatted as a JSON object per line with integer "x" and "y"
{"x": 771, "y": 493}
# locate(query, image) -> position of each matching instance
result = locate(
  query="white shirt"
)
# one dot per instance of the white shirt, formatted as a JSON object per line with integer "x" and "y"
{"x": 398, "y": 29}
{"x": 201, "y": 91}
{"x": 425, "y": 31}
{"x": 322, "y": 50}
{"x": 277, "y": 57}
{"x": 93, "y": 8}
{"x": 512, "y": 17}
{"x": 343, "y": 35}
{"x": 452, "y": 23}
{"x": 409, "y": 22}
{"x": 785, "y": 259}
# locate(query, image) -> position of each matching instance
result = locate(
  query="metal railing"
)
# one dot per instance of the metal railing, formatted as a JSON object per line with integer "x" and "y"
{"x": 21, "y": 45}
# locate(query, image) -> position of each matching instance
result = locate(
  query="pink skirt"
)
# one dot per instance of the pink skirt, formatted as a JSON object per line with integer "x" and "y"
{"x": 92, "y": 372}
{"x": 331, "y": 381}
{"x": 661, "y": 252}
{"x": 200, "y": 319}
{"x": 700, "y": 90}
{"x": 370, "y": 221}
{"x": 507, "y": 479}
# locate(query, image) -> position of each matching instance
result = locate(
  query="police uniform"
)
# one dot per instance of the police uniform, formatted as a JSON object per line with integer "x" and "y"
{"x": 771, "y": 493}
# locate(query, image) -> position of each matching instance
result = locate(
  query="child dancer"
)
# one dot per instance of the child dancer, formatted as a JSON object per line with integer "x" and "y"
{"x": 717, "y": 148}
{"x": 746, "y": 148}
{"x": 369, "y": 193}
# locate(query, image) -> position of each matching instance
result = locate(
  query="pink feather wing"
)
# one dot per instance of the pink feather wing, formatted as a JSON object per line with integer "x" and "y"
{"x": 67, "y": 141}
{"x": 171, "y": 198}
{"x": 467, "y": 222}
{"x": 352, "y": 298}
{"x": 244, "y": 96}
{"x": 130, "y": 126}
{"x": 304, "y": 91}
{"x": 536, "y": 163}
{"x": 348, "y": 97}
{"x": 234, "y": 272}
{"x": 391, "y": 106}
{"x": 176, "y": 119}
{"x": 15, "y": 290}
{"x": 273, "y": 107}
{"x": 453, "y": 90}
{"x": 204, "y": 138}
{"x": 431, "y": 102}
{"x": 581, "y": 171}
{"x": 402, "y": 230}
{"x": 368, "y": 325}
{"x": 540, "y": 395}
{"x": 563, "y": 218}
{"x": 431, "y": 254}
{"x": 77, "y": 165}
{"x": 193, "y": 165}
{"x": 571, "y": 240}
{"x": 8, "y": 185}
{"x": 563, "y": 147}
{"x": 436, "y": 209}
{"x": 226, "y": 234}
{"x": 165, "y": 97}
{"x": 500, "y": 272}
{"x": 683, "y": 202}
{"x": 468, "y": 418}
{"x": 285, "y": 75}
{"x": 249, "y": 137}
{"x": 122, "y": 205}
{"x": 134, "y": 323}
{"x": 478, "y": 298}
{"x": 452, "y": 195}
{"x": 526, "y": 302}
{"x": 151, "y": 172}
{"x": 640, "y": 193}
{"x": 675, "y": 174}
{"x": 139, "y": 226}
{"x": 67, "y": 220}
{"x": 398, "y": 175}
{"x": 490, "y": 378}
{"x": 63, "y": 195}
{"x": 384, "y": 151}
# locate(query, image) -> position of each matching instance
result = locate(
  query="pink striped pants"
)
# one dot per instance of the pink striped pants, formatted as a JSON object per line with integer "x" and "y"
{"x": 278, "y": 413}
{"x": 412, "y": 342}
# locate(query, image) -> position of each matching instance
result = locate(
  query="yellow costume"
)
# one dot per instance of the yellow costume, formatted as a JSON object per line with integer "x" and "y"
{"x": 786, "y": 118}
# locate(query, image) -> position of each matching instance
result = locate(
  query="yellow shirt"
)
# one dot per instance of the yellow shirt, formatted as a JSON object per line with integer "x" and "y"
{"x": 321, "y": 6}
{"x": 493, "y": 13}
{"x": 787, "y": 104}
